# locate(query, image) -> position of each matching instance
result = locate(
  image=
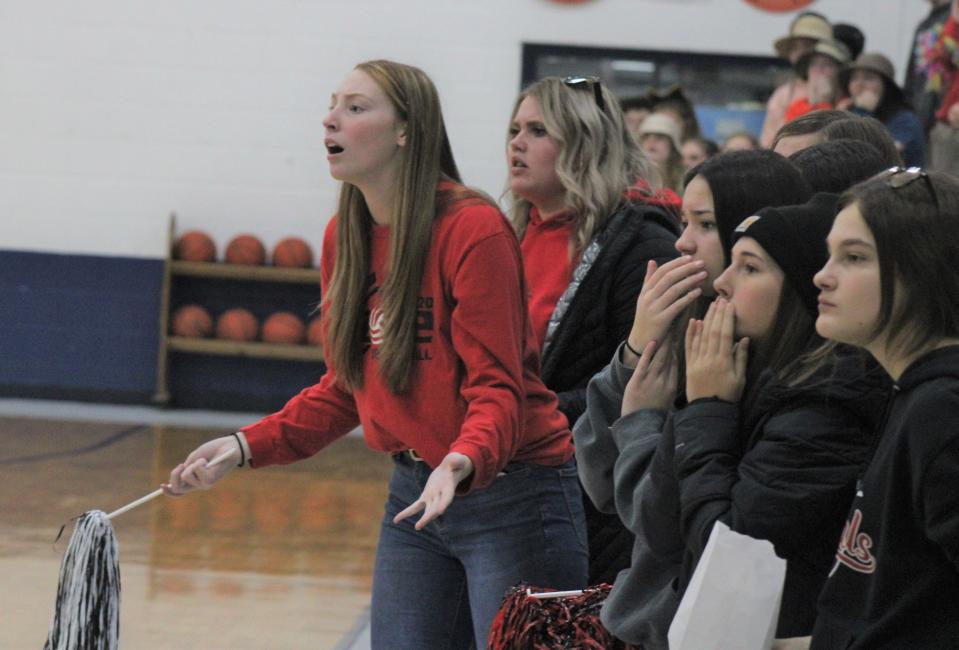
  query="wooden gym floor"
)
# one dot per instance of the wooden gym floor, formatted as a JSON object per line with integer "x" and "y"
{"x": 274, "y": 558}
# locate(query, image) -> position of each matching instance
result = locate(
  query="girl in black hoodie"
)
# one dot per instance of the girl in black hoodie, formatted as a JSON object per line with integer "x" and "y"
{"x": 890, "y": 286}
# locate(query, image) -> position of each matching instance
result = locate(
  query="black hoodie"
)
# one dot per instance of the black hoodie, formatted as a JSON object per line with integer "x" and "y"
{"x": 782, "y": 468}
{"x": 895, "y": 579}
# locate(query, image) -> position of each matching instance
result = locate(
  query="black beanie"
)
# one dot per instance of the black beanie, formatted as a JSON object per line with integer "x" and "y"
{"x": 795, "y": 237}
{"x": 742, "y": 182}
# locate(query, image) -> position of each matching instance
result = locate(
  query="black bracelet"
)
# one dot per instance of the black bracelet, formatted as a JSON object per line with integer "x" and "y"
{"x": 630, "y": 348}
{"x": 242, "y": 453}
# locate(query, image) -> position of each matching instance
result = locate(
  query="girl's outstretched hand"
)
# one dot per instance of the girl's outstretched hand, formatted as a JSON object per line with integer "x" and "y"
{"x": 653, "y": 384}
{"x": 440, "y": 489}
{"x": 715, "y": 366}
{"x": 193, "y": 473}
{"x": 667, "y": 291}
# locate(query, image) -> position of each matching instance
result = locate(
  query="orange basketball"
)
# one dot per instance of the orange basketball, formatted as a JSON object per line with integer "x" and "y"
{"x": 193, "y": 321}
{"x": 293, "y": 252}
{"x": 237, "y": 324}
{"x": 313, "y": 336}
{"x": 283, "y": 327}
{"x": 194, "y": 246}
{"x": 245, "y": 249}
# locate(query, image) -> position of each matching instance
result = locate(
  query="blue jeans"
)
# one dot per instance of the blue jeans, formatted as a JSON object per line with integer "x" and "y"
{"x": 442, "y": 586}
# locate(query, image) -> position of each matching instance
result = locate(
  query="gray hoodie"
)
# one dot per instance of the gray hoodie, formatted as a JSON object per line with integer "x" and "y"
{"x": 615, "y": 455}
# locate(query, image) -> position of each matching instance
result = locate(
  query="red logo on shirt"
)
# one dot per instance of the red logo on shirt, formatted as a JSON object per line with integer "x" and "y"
{"x": 855, "y": 548}
{"x": 376, "y": 326}
{"x": 424, "y": 325}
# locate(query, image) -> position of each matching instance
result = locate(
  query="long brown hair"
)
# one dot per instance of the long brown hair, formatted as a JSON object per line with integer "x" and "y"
{"x": 426, "y": 159}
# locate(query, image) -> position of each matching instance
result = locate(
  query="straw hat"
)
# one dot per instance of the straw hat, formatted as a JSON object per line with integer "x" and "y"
{"x": 832, "y": 48}
{"x": 661, "y": 125}
{"x": 805, "y": 25}
{"x": 872, "y": 62}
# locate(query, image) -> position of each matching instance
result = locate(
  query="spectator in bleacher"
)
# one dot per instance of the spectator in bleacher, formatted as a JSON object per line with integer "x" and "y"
{"x": 807, "y": 29}
{"x": 659, "y": 136}
{"x": 871, "y": 87}
{"x": 635, "y": 110}
{"x": 589, "y": 219}
{"x": 805, "y": 131}
{"x": 674, "y": 102}
{"x": 923, "y": 86}
{"x": 850, "y": 36}
{"x": 820, "y": 68}
{"x": 740, "y": 141}
{"x": 944, "y": 137}
{"x": 697, "y": 150}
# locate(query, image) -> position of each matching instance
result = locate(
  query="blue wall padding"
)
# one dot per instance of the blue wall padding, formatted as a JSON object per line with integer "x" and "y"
{"x": 77, "y": 325}
{"x": 234, "y": 384}
{"x": 84, "y": 327}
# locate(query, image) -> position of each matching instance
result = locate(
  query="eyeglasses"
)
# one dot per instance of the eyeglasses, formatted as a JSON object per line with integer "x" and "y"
{"x": 899, "y": 177}
{"x": 589, "y": 82}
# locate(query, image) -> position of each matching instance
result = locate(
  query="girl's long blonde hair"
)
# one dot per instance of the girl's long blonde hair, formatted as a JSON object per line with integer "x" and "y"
{"x": 426, "y": 159}
{"x": 599, "y": 160}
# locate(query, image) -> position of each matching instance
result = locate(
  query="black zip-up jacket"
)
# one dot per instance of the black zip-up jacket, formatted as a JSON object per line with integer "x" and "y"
{"x": 895, "y": 581}
{"x": 600, "y": 314}
{"x": 595, "y": 320}
{"x": 783, "y": 471}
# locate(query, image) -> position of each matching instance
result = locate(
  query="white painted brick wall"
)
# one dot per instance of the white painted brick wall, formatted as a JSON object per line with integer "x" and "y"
{"x": 115, "y": 112}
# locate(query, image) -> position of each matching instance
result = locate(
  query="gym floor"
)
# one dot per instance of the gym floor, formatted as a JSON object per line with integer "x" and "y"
{"x": 273, "y": 558}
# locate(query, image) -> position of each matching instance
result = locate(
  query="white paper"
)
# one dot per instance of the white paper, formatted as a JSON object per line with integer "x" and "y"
{"x": 733, "y": 597}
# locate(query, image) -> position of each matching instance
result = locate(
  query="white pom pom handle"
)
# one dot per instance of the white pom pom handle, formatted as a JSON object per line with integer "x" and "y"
{"x": 139, "y": 502}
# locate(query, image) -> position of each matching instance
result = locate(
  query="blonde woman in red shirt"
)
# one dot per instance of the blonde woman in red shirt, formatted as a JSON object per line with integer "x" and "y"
{"x": 429, "y": 348}
{"x": 590, "y": 221}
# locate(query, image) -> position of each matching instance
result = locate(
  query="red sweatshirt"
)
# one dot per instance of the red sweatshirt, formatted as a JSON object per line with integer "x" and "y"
{"x": 548, "y": 267}
{"x": 802, "y": 106}
{"x": 546, "y": 259}
{"x": 476, "y": 388}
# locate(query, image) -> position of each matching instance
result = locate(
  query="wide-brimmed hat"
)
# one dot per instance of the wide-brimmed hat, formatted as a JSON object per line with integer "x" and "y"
{"x": 661, "y": 124}
{"x": 830, "y": 47}
{"x": 805, "y": 25}
{"x": 872, "y": 62}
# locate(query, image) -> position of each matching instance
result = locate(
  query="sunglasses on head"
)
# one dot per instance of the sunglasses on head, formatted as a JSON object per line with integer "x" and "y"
{"x": 899, "y": 177}
{"x": 589, "y": 83}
